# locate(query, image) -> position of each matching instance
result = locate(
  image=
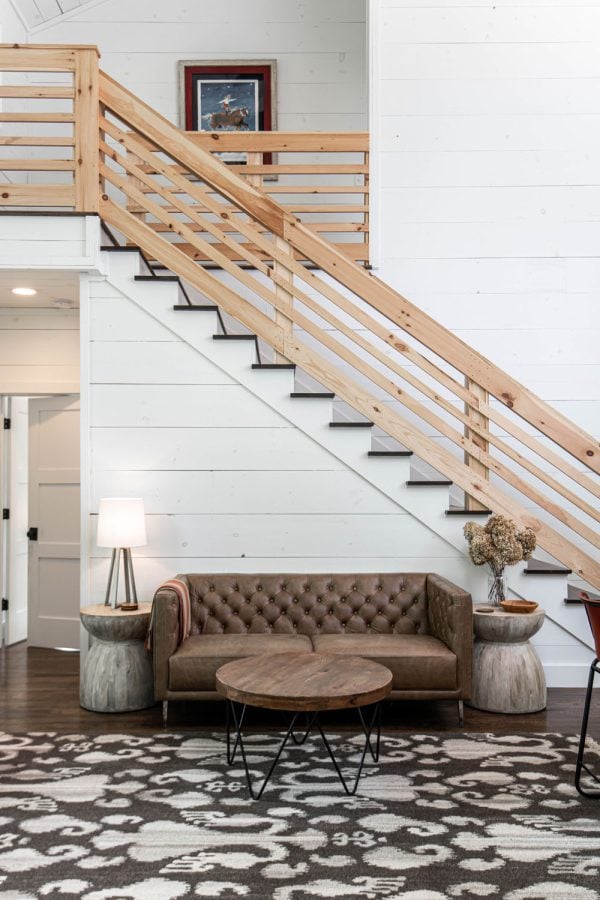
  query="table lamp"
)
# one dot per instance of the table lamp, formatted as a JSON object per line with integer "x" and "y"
{"x": 121, "y": 526}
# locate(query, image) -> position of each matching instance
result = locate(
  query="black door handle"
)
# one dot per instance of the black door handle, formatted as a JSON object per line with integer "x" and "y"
{"x": 32, "y": 534}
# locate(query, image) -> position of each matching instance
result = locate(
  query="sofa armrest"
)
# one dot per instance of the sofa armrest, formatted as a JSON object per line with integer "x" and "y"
{"x": 450, "y": 611}
{"x": 165, "y": 636}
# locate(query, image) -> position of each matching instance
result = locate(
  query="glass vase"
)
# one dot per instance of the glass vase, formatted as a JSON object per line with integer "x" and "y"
{"x": 496, "y": 589}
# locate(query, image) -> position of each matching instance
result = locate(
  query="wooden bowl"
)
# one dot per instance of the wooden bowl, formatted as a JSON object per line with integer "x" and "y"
{"x": 518, "y": 606}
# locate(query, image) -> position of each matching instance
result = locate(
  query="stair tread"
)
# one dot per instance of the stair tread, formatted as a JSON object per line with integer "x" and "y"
{"x": 390, "y": 453}
{"x": 351, "y": 424}
{"x": 539, "y": 567}
{"x": 234, "y": 337}
{"x": 428, "y": 483}
{"x": 458, "y": 511}
{"x": 573, "y": 596}
{"x": 321, "y": 395}
{"x": 118, "y": 248}
{"x": 273, "y": 365}
{"x": 204, "y": 307}
{"x": 155, "y": 278}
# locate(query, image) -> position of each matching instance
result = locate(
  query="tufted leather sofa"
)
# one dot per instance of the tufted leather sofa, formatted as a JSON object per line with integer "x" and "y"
{"x": 418, "y": 625}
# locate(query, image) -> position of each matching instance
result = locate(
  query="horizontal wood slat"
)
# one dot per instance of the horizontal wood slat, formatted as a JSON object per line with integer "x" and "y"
{"x": 28, "y": 58}
{"x": 37, "y": 195}
{"x": 24, "y": 140}
{"x": 37, "y": 165}
{"x": 39, "y": 93}
{"x": 36, "y": 117}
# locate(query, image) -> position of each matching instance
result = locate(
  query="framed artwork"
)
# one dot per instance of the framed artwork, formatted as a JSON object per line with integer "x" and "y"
{"x": 228, "y": 95}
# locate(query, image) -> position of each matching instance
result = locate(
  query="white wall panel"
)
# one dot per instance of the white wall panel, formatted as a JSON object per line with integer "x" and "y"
{"x": 245, "y": 492}
{"x": 177, "y": 406}
{"x": 152, "y": 449}
{"x": 157, "y": 361}
{"x": 320, "y": 50}
{"x": 261, "y": 535}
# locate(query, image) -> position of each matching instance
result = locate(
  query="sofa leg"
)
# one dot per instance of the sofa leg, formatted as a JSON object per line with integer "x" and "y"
{"x": 165, "y": 712}
{"x": 461, "y": 714}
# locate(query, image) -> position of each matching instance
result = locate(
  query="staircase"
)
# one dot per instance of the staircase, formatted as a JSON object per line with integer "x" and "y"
{"x": 302, "y": 302}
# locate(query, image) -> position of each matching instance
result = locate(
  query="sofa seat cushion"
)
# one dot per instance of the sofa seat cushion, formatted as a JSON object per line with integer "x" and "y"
{"x": 194, "y": 664}
{"x": 417, "y": 662}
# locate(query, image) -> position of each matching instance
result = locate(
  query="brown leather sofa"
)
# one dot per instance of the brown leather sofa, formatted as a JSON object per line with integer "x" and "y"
{"x": 418, "y": 625}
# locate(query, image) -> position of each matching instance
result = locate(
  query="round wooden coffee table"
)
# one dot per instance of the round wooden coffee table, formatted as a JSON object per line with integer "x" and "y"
{"x": 303, "y": 683}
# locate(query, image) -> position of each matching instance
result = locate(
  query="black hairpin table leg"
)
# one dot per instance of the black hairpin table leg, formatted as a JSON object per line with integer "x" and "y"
{"x": 239, "y": 741}
{"x": 375, "y": 722}
{"x": 368, "y": 725}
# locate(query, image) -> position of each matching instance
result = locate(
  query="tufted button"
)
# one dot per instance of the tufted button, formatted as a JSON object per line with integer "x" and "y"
{"x": 319, "y": 599}
{"x": 403, "y": 612}
{"x": 417, "y": 626}
{"x": 353, "y": 587}
{"x": 379, "y": 588}
{"x": 284, "y": 587}
{"x": 259, "y": 588}
{"x": 330, "y": 587}
{"x": 416, "y": 600}
{"x": 295, "y": 626}
{"x": 236, "y": 614}
{"x": 295, "y": 599}
{"x": 318, "y": 624}
{"x": 211, "y": 587}
{"x": 330, "y": 612}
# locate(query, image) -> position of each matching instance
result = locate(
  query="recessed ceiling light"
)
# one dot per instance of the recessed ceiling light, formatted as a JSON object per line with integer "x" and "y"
{"x": 24, "y": 291}
{"x": 61, "y": 303}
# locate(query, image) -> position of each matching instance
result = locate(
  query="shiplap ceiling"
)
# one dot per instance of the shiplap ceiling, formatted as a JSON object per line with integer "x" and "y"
{"x": 58, "y": 289}
{"x": 38, "y": 12}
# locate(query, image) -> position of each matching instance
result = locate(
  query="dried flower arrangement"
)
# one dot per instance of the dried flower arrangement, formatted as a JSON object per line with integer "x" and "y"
{"x": 499, "y": 544}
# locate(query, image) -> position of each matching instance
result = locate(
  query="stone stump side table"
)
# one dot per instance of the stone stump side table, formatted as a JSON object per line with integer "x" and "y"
{"x": 117, "y": 673}
{"x": 507, "y": 673}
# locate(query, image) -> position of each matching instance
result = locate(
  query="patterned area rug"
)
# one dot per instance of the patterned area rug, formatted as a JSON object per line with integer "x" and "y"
{"x": 161, "y": 816}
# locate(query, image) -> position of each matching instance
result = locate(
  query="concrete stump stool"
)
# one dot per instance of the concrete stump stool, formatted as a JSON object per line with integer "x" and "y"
{"x": 117, "y": 672}
{"x": 507, "y": 673}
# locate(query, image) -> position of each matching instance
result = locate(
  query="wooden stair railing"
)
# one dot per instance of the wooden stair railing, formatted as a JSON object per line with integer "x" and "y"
{"x": 320, "y": 177}
{"x": 506, "y": 448}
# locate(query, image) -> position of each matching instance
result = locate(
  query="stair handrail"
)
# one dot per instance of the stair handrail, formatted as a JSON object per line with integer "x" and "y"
{"x": 380, "y": 296}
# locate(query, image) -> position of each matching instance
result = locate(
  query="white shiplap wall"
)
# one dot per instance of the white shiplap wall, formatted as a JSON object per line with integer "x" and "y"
{"x": 320, "y": 48}
{"x": 486, "y": 131}
{"x": 229, "y": 484}
{"x": 39, "y": 351}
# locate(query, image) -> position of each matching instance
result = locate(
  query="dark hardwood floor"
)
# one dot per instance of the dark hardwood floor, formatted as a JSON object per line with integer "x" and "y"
{"x": 39, "y": 691}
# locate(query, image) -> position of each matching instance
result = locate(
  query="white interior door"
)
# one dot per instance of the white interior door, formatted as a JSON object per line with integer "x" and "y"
{"x": 54, "y": 510}
{"x": 19, "y": 513}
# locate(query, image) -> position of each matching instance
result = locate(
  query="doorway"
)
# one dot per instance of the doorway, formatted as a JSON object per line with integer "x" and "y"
{"x": 40, "y": 558}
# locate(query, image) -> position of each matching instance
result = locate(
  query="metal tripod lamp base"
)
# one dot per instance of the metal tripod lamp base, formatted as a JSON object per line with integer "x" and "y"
{"x": 112, "y": 589}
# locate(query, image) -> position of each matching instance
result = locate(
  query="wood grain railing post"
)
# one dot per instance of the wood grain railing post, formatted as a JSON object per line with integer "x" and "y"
{"x": 254, "y": 159}
{"x": 87, "y": 110}
{"x": 131, "y": 205}
{"x": 477, "y": 467}
{"x": 285, "y": 297}
{"x": 366, "y": 198}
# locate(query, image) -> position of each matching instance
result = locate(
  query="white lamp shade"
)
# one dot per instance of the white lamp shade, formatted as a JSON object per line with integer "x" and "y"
{"x": 121, "y": 522}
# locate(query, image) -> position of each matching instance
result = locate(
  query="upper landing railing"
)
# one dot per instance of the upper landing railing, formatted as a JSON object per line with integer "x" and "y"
{"x": 49, "y": 109}
{"x": 158, "y": 188}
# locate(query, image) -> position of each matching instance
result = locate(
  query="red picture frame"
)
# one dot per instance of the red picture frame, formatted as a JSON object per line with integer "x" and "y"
{"x": 227, "y": 95}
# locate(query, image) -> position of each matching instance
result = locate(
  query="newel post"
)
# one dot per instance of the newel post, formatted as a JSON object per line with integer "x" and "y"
{"x": 478, "y": 469}
{"x": 87, "y": 111}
